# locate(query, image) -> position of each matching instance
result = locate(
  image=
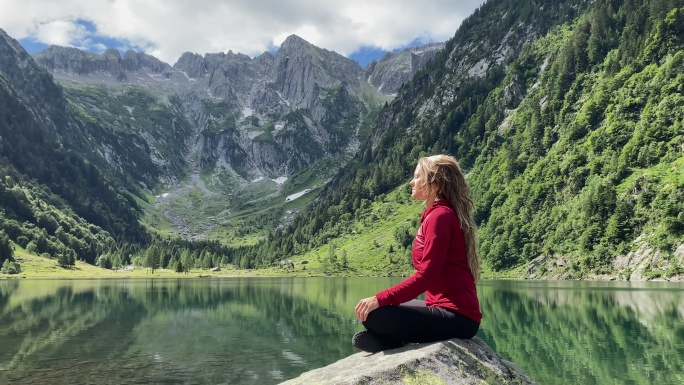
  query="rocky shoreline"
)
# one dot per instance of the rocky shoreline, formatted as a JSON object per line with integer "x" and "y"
{"x": 644, "y": 264}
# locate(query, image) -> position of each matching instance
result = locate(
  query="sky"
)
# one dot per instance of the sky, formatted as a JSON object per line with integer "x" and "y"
{"x": 360, "y": 29}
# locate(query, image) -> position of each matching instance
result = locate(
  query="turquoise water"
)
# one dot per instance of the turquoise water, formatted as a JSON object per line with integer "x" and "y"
{"x": 267, "y": 330}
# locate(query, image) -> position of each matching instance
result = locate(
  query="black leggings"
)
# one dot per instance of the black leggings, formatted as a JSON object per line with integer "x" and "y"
{"x": 413, "y": 321}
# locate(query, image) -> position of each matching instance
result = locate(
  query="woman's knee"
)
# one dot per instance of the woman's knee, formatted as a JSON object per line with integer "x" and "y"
{"x": 379, "y": 319}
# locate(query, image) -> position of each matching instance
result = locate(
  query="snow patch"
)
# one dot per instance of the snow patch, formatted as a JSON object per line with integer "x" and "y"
{"x": 280, "y": 179}
{"x": 247, "y": 112}
{"x": 258, "y": 179}
{"x": 283, "y": 99}
{"x": 296, "y": 195}
{"x": 130, "y": 109}
{"x": 164, "y": 195}
{"x": 279, "y": 126}
{"x": 188, "y": 77}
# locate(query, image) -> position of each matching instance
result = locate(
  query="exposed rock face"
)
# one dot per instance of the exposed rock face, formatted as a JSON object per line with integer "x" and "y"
{"x": 192, "y": 64}
{"x": 679, "y": 254}
{"x": 74, "y": 62}
{"x": 469, "y": 60}
{"x": 448, "y": 362}
{"x": 394, "y": 69}
{"x": 34, "y": 86}
{"x": 135, "y": 61}
{"x": 269, "y": 116}
{"x": 632, "y": 266}
{"x": 299, "y": 66}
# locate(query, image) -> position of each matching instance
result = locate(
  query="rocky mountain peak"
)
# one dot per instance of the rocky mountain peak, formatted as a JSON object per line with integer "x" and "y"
{"x": 251, "y": 116}
{"x": 396, "y": 68}
{"x": 8, "y": 42}
{"x": 192, "y": 64}
{"x": 112, "y": 53}
{"x": 135, "y": 61}
{"x": 294, "y": 49}
{"x": 295, "y": 42}
{"x": 72, "y": 62}
{"x": 300, "y": 67}
{"x": 34, "y": 86}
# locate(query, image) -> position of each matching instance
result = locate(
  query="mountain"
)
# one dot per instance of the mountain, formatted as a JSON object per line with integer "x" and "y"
{"x": 566, "y": 118}
{"x": 74, "y": 62}
{"x": 89, "y": 138}
{"x": 54, "y": 194}
{"x": 269, "y": 116}
{"x": 394, "y": 69}
{"x": 224, "y": 136}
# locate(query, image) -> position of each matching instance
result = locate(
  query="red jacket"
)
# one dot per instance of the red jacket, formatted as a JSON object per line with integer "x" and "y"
{"x": 440, "y": 259}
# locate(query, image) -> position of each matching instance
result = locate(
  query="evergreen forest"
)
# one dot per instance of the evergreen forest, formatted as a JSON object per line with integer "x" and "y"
{"x": 574, "y": 150}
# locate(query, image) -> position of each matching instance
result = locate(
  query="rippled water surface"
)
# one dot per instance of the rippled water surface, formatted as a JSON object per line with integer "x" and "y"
{"x": 267, "y": 330}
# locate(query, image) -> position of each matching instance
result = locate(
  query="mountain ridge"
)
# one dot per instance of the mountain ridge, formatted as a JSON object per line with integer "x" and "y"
{"x": 217, "y": 123}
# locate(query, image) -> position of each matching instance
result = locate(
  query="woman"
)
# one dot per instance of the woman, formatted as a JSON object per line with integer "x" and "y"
{"x": 447, "y": 266}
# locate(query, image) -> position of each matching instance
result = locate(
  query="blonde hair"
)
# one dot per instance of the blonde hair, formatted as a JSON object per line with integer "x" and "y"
{"x": 442, "y": 176}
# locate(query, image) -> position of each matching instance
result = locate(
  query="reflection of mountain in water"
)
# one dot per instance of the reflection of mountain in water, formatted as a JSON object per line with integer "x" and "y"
{"x": 647, "y": 299}
{"x": 589, "y": 333}
{"x": 40, "y": 329}
{"x": 266, "y": 330}
{"x": 257, "y": 335}
{"x": 169, "y": 331}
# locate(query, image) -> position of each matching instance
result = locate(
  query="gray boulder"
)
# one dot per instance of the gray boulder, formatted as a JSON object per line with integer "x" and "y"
{"x": 447, "y": 362}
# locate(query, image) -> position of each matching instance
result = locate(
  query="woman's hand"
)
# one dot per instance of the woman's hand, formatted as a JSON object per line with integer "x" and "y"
{"x": 366, "y": 306}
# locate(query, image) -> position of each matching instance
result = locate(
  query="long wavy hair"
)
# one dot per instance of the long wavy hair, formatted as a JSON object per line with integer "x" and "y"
{"x": 442, "y": 176}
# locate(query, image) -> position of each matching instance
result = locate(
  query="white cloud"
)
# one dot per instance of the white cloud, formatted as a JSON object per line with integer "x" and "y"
{"x": 167, "y": 28}
{"x": 59, "y": 32}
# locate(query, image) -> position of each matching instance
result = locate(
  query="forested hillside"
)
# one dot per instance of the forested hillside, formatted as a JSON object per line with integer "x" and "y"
{"x": 54, "y": 201}
{"x": 58, "y": 196}
{"x": 568, "y": 117}
{"x": 572, "y": 135}
{"x": 57, "y": 203}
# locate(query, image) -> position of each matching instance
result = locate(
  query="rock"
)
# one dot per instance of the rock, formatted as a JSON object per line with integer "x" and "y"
{"x": 679, "y": 254}
{"x": 447, "y": 362}
{"x": 74, "y": 62}
{"x": 192, "y": 64}
{"x": 394, "y": 69}
{"x": 216, "y": 269}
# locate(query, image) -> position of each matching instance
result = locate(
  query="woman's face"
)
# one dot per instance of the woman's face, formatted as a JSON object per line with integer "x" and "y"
{"x": 418, "y": 191}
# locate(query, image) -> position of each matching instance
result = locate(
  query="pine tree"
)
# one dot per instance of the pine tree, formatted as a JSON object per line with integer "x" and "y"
{"x": 345, "y": 262}
{"x": 6, "y": 250}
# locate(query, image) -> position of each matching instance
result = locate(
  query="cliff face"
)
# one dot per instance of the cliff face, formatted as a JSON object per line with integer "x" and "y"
{"x": 389, "y": 73}
{"x": 74, "y": 62}
{"x": 269, "y": 116}
{"x": 448, "y": 362}
{"x": 34, "y": 87}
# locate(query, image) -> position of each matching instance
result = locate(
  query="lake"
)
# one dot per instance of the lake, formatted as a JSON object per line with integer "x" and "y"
{"x": 267, "y": 330}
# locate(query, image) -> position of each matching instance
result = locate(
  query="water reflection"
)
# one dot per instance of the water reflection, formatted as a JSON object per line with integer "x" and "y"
{"x": 178, "y": 331}
{"x": 588, "y": 332}
{"x": 266, "y": 330}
